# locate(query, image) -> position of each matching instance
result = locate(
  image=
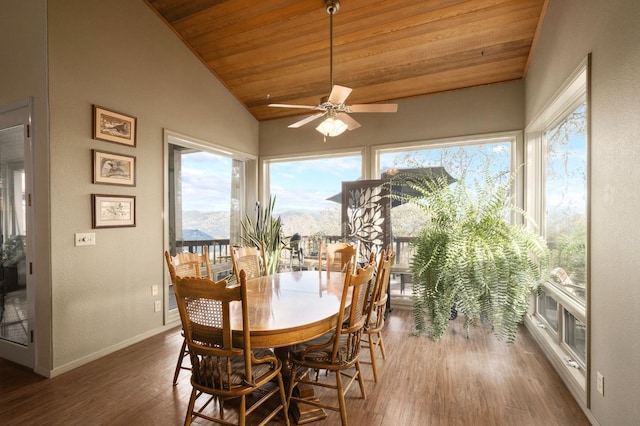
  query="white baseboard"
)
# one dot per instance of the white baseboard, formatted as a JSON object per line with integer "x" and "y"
{"x": 106, "y": 351}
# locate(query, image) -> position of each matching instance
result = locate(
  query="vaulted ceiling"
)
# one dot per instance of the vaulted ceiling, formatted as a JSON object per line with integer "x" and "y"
{"x": 278, "y": 51}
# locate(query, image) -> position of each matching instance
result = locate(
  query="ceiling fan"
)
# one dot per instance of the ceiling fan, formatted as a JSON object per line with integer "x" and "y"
{"x": 333, "y": 106}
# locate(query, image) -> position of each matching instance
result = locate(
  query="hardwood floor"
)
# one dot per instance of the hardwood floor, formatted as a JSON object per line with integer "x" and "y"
{"x": 480, "y": 381}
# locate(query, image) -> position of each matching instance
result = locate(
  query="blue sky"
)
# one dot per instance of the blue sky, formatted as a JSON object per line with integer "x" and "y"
{"x": 306, "y": 184}
{"x": 565, "y": 180}
{"x": 206, "y": 182}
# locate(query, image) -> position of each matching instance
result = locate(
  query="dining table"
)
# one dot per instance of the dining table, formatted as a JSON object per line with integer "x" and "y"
{"x": 288, "y": 308}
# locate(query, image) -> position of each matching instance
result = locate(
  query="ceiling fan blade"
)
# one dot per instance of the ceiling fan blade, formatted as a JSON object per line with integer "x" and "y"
{"x": 339, "y": 94}
{"x": 350, "y": 122}
{"x": 373, "y": 108}
{"x": 306, "y": 120}
{"x": 292, "y": 106}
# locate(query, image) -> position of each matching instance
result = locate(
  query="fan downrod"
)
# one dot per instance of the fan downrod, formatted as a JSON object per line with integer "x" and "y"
{"x": 331, "y": 6}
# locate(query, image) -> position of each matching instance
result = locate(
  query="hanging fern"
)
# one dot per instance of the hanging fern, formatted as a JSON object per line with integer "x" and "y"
{"x": 470, "y": 256}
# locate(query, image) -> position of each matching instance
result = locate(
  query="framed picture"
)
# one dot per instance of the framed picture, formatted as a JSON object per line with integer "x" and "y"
{"x": 113, "y": 169}
{"x": 113, "y": 126}
{"x": 113, "y": 211}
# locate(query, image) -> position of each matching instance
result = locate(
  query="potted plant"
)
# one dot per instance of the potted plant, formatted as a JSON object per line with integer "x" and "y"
{"x": 471, "y": 257}
{"x": 268, "y": 229}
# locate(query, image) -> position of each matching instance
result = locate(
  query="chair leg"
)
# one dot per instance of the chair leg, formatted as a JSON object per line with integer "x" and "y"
{"x": 372, "y": 352}
{"x": 343, "y": 404}
{"x": 243, "y": 411}
{"x": 283, "y": 399}
{"x": 180, "y": 359}
{"x": 361, "y": 380}
{"x": 192, "y": 402}
{"x": 381, "y": 343}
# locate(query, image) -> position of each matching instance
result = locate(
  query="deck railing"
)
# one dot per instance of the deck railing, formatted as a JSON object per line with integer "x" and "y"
{"x": 220, "y": 257}
{"x": 220, "y": 249}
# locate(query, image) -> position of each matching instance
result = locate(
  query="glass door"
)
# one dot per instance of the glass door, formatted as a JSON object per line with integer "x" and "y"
{"x": 15, "y": 198}
{"x": 206, "y": 187}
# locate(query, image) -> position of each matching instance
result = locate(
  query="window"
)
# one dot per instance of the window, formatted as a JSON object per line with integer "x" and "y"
{"x": 574, "y": 338}
{"x": 547, "y": 307}
{"x": 454, "y": 158}
{"x": 557, "y": 167}
{"x": 206, "y": 199}
{"x": 565, "y": 200}
{"x": 307, "y": 195}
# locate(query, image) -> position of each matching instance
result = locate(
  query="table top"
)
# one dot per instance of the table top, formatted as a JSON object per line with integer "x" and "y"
{"x": 291, "y": 307}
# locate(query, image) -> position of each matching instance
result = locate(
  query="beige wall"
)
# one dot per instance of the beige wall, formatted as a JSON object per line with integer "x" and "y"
{"x": 611, "y": 31}
{"x": 23, "y": 74}
{"x": 118, "y": 54}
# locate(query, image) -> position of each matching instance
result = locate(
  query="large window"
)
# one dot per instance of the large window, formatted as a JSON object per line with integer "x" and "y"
{"x": 564, "y": 212}
{"x": 468, "y": 158}
{"x": 307, "y": 191}
{"x": 557, "y": 195}
{"x": 565, "y": 200}
{"x": 206, "y": 200}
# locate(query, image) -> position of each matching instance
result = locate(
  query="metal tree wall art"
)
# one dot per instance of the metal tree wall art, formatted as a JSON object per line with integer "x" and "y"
{"x": 366, "y": 216}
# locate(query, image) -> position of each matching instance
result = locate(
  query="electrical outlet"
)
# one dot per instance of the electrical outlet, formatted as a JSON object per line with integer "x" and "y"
{"x": 157, "y": 306}
{"x": 154, "y": 290}
{"x": 85, "y": 239}
{"x": 600, "y": 383}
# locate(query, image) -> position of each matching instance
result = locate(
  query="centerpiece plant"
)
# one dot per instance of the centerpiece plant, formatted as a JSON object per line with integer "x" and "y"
{"x": 477, "y": 253}
{"x": 267, "y": 229}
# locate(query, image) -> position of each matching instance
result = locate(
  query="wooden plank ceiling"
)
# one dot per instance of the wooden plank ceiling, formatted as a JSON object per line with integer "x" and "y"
{"x": 278, "y": 51}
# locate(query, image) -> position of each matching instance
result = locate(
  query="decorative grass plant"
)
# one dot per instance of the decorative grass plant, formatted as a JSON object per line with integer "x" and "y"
{"x": 470, "y": 255}
{"x": 268, "y": 229}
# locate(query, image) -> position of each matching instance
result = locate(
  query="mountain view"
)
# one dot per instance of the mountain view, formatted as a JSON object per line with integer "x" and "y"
{"x": 406, "y": 219}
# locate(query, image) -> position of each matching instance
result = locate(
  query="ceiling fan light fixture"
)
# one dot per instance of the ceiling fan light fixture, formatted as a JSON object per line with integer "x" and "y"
{"x": 332, "y": 126}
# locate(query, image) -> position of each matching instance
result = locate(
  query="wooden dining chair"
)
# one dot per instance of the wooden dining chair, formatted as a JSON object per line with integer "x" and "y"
{"x": 376, "y": 309}
{"x": 336, "y": 352}
{"x": 186, "y": 264}
{"x": 224, "y": 366}
{"x": 250, "y": 259}
{"x": 336, "y": 256}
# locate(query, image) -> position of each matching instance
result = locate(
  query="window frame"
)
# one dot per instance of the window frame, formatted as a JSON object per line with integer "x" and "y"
{"x": 516, "y": 159}
{"x": 267, "y": 161}
{"x": 571, "y": 94}
{"x": 171, "y": 316}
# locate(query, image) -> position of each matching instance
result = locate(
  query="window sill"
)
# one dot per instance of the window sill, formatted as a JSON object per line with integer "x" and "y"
{"x": 574, "y": 378}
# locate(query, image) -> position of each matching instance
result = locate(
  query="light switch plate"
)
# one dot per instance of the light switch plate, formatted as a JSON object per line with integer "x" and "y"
{"x": 85, "y": 239}
{"x": 600, "y": 383}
